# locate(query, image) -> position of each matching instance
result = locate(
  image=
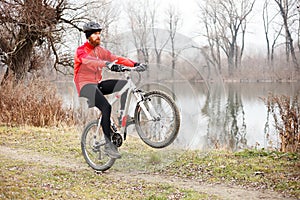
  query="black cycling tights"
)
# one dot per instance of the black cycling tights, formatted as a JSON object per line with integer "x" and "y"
{"x": 95, "y": 94}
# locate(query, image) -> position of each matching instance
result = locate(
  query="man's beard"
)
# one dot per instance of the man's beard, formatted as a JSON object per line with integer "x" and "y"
{"x": 95, "y": 42}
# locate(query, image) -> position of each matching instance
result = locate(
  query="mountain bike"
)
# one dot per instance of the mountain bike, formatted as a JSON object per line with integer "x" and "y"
{"x": 156, "y": 119}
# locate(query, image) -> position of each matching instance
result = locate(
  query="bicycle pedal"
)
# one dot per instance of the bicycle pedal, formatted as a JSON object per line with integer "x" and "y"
{"x": 117, "y": 139}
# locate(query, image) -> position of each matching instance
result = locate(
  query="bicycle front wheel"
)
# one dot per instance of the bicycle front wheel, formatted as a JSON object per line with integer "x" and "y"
{"x": 163, "y": 129}
{"x": 92, "y": 145}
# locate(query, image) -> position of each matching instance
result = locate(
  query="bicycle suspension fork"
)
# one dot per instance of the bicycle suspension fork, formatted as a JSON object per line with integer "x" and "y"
{"x": 149, "y": 111}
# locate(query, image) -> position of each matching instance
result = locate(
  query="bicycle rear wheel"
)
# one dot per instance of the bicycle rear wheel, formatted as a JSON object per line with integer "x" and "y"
{"x": 92, "y": 145}
{"x": 163, "y": 130}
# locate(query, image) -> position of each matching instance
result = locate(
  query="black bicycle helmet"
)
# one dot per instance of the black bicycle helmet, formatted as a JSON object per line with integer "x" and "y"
{"x": 90, "y": 28}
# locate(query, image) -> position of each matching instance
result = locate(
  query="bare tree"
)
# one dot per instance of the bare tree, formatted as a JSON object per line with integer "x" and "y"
{"x": 173, "y": 21}
{"x": 287, "y": 9}
{"x": 24, "y": 24}
{"x": 234, "y": 16}
{"x": 159, "y": 41}
{"x": 266, "y": 23}
{"x": 140, "y": 23}
{"x": 32, "y": 33}
{"x": 211, "y": 52}
{"x": 229, "y": 19}
{"x": 268, "y": 20}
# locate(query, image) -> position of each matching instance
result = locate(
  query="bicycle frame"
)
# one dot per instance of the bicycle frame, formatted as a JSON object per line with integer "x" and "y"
{"x": 132, "y": 91}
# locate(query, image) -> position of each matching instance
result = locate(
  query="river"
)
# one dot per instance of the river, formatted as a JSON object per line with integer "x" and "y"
{"x": 230, "y": 116}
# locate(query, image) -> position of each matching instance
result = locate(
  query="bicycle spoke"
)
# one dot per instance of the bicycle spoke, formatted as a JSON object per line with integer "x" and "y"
{"x": 92, "y": 143}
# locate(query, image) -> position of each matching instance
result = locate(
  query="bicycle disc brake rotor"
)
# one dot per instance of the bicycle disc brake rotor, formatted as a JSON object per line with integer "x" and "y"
{"x": 117, "y": 139}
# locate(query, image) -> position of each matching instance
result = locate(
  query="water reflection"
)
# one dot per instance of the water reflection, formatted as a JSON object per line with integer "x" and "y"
{"x": 235, "y": 116}
{"x": 226, "y": 125}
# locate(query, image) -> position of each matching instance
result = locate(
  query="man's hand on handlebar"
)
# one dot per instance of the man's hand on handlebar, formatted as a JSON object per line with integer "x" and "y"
{"x": 140, "y": 67}
{"x": 114, "y": 67}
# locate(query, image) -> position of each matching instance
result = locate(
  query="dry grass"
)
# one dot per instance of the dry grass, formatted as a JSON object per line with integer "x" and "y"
{"x": 286, "y": 113}
{"x": 33, "y": 103}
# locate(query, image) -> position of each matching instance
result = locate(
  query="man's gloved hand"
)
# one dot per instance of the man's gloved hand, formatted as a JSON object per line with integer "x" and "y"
{"x": 140, "y": 67}
{"x": 116, "y": 68}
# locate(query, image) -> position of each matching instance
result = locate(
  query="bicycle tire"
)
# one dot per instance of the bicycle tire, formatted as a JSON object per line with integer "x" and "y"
{"x": 162, "y": 132}
{"x": 92, "y": 143}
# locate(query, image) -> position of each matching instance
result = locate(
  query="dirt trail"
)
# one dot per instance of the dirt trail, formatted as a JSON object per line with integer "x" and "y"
{"x": 220, "y": 190}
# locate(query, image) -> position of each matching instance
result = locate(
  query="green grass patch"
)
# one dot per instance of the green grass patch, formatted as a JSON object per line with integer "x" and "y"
{"x": 31, "y": 181}
{"x": 251, "y": 168}
{"x": 55, "y": 140}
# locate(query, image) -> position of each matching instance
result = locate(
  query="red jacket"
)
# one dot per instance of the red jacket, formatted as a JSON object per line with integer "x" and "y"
{"x": 90, "y": 60}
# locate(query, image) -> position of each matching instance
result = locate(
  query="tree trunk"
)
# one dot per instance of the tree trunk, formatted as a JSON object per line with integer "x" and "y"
{"x": 290, "y": 45}
{"x": 231, "y": 59}
{"x": 20, "y": 59}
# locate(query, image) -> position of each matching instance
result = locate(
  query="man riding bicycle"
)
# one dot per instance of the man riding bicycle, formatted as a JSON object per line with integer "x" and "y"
{"x": 89, "y": 60}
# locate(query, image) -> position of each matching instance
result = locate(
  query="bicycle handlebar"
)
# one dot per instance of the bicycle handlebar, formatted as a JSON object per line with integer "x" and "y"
{"x": 124, "y": 68}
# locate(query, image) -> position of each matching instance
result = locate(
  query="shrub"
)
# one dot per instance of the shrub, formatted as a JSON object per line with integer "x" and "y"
{"x": 286, "y": 113}
{"x": 34, "y": 103}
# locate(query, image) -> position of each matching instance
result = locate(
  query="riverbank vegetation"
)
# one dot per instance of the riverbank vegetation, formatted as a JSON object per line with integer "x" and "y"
{"x": 286, "y": 114}
{"x": 35, "y": 102}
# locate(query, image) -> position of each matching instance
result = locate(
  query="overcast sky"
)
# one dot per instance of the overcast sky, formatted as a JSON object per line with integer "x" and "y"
{"x": 255, "y": 32}
{"x": 190, "y": 25}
